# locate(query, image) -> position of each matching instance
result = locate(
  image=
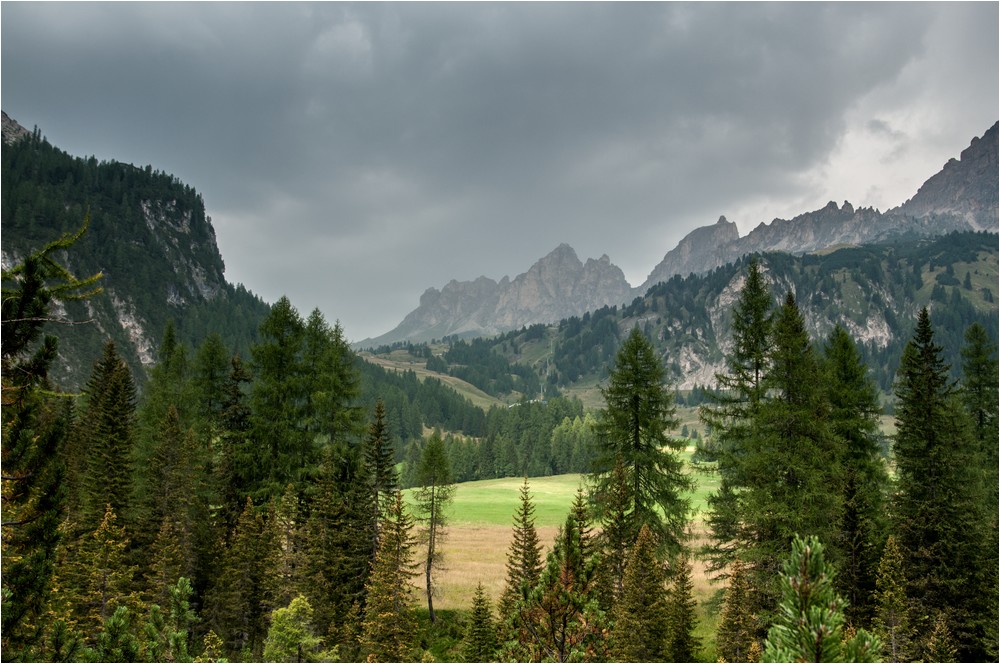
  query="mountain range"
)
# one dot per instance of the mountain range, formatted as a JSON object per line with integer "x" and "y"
{"x": 963, "y": 196}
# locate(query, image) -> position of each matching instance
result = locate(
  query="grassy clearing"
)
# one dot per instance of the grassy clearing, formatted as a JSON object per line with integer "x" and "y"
{"x": 401, "y": 361}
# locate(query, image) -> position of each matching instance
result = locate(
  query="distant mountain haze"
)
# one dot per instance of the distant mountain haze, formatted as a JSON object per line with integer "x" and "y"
{"x": 962, "y": 196}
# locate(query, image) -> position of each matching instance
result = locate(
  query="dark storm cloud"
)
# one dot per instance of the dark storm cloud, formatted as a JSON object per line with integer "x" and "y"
{"x": 353, "y": 155}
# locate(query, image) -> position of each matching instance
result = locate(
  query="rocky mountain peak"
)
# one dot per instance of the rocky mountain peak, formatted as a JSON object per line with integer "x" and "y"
{"x": 12, "y": 131}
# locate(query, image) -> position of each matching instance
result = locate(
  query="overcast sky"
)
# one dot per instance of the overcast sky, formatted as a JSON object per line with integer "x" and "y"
{"x": 353, "y": 155}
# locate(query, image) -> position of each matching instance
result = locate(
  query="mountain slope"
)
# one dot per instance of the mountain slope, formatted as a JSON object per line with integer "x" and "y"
{"x": 962, "y": 196}
{"x": 148, "y": 233}
{"x": 556, "y": 286}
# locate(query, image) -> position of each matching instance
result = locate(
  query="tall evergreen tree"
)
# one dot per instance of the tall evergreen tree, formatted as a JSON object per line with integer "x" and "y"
{"x": 433, "y": 496}
{"x": 632, "y": 433}
{"x": 332, "y": 384}
{"x": 741, "y": 390}
{"x": 278, "y": 403}
{"x": 640, "y": 617}
{"x": 235, "y": 605}
{"x": 380, "y": 469}
{"x": 681, "y": 643}
{"x": 940, "y": 522}
{"x": 561, "y": 619}
{"x": 524, "y": 556}
{"x": 388, "y": 631}
{"x": 235, "y": 473}
{"x": 480, "y": 634}
{"x": 891, "y": 623}
{"x": 738, "y": 624}
{"x": 107, "y": 427}
{"x": 854, "y": 420}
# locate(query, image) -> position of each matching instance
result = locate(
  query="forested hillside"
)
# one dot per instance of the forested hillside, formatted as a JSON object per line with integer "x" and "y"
{"x": 873, "y": 291}
{"x": 146, "y": 232}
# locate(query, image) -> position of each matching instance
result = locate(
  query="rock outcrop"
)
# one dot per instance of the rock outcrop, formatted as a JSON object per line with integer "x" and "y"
{"x": 556, "y": 287}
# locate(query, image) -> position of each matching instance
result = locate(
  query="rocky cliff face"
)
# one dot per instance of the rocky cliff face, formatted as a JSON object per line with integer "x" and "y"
{"x": 557, "y": 286}
{"x": 11, "y": 129}
{"x": 148, "y": 234}
{"x": 962, "y": 196}
{"x": 965, "y": 188}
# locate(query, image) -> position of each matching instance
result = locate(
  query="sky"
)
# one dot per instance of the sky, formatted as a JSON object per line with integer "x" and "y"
{"x": 353, "y": 155}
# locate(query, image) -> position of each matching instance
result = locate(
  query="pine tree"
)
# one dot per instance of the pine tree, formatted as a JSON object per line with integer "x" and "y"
{"x": 338, "y": 538}
{"x": 789, "y": 465}
{"x": 940, "y": 521}
{"x": 524, "y": 557}
{"x": 738, "y": 625}
{"x": 433, "y": 497}
{"x": 34, "y": 448}
{"x": 278, "y": 403}
{"x": 681, "y": 644}
{"x": 891, "y": 605}
{"x": 641, "y": 615}
{"x": 107, "y": 580}
{"x": 117, "y": 641}
{"x": 332, "y": 382}
{"x": 235, "y": 605}
{"x": 282, "y": 565}
{"x": 107, "y": 426}
{"x": 236, "y": 472}
{"x": 290, "y": 637}
{"x": 854, "y": 420}
{"x": 480, "y": 635}
{"x": 561, "y": 619}
{"x": 388, "y": 631}
{"x": 810, "y": 625}
{"x": 741, "y": 390}
{"x": 380, "y": 468}
{"x": 632, "y": 432}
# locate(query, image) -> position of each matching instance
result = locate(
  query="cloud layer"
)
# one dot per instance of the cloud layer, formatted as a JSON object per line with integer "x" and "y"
{"x": 353, "y": 155}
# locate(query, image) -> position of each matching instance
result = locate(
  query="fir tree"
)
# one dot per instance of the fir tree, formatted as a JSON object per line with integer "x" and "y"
{"x": 235, "y": 475}
{"x": 107, "y": 426}
{"x": 284, "y": 534}
{"x": 940, "y": 646}
{"x": 681, "y": 643}
{"x": 810, "y": 625}
{"x": 561, "y": 618}
{"x": 738, "y": 625}
{"x": 940, "y": 521}
{"x": 432, "y": 497}
{"x": 641, "y": 616}
{"x": 388, "y": 631}
{"x": 524, "y": 556}
{"x": 380, "y": 469}
{"x": 480, "y": 634}
{"x": 891, "y": 604}
{"x": 34, "y": 443}
{"x": 854, "y": 420}
{"x": 741, "y": 390}
{"x": 235, "y": 605}
{"x": 632, "y": 432}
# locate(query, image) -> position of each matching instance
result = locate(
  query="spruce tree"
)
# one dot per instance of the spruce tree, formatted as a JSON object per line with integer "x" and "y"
{"x": 524, "y": 556}
{"x": 282, "y": 578}
{"x": 480, "y": 634}
{"x": 640, "y": 617}
{"x": 236, "y": 472}
{"x": 738, "y": 624}
{"x": 854, "y": 420}
{"x": 380, "y": 469}
{"x": 740, "y": 391}
{"x": 940, "y": 520}
{"x": 388, "y": 631}
{"x": 235, "y": 605}
{"x": 107, "y": 427}
{"x": 433, "y": 496}
{"x": 632, "y": 432}
{"x": 891, "y": 623}
{"x": 810, "y": 624}
{"x": 681, "y": 643}
{"x": 789, "y": 464}
{"x": 278, "y": 403}
{"x": 561, "y": 619}
{"x": 35, "y": 438}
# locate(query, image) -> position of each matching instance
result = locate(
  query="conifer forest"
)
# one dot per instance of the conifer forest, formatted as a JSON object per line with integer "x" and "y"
{"x": 253, "y": 508}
